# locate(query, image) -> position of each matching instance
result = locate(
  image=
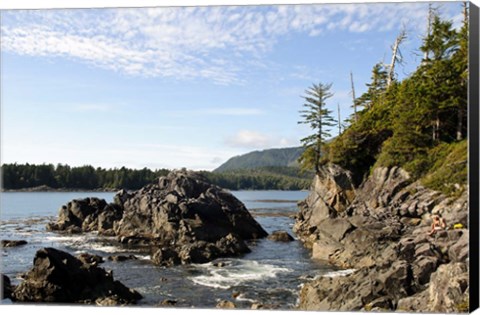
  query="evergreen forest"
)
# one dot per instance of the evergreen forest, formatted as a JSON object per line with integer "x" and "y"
{"x": 418, "y": 123}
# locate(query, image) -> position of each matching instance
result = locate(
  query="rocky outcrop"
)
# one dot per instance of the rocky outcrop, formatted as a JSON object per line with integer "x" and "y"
{"x": 382, "y": 232}
{"x": 86, "y": 215}
{"x": 58, "y": 277}
{"x": 13, "y": 243}
{"x": 181, "y": 219}
{"x": 6, "y": 292}
{"x": 280, "y": 236}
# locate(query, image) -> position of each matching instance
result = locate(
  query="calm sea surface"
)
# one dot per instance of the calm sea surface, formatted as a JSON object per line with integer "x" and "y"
{"x": 270, "y": 275}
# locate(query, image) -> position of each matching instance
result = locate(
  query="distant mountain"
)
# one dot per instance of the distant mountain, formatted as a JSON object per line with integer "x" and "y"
{"x": 258, "y": 159}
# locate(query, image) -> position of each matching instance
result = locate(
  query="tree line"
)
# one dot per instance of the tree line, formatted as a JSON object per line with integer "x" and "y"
{"x": 23, "y": 176}
{"x": 417, "y": 123}
{"x": 20, "y": 176}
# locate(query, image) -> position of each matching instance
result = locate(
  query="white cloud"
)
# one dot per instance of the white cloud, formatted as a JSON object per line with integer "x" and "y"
{"x": 213, "y": 43}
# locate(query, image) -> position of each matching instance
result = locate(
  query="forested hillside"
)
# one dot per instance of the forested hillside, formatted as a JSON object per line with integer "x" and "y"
{"x": 256, "y": 159}
{"x": 419, "y": 123}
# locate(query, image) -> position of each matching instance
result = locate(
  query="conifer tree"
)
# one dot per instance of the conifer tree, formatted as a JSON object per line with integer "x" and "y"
{"x": 319, "y": 117}
{"x": 376, "y": 88}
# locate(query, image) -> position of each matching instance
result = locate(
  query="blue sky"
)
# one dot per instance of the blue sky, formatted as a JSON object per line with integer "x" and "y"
{"x": 185, "y": 87}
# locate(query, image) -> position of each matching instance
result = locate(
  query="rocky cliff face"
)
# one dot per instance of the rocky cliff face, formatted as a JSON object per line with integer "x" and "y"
{"x": 381, "y": 230}
{"x": 182, "y": 218}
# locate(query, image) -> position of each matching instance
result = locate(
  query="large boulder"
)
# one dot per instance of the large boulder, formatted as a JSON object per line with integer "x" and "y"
{"x": 182, "y": 207}
{"x": 280, "y": 236}
{"x": 58, "y": 277}
{"x": 331, "y": 193}
{"x": 363, "y": 289}
{"x": 181, "y": 219}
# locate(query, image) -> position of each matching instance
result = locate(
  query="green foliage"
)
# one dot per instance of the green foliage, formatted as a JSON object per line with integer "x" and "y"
{"x": 418, "y": 123}
{"x": 448, "y": 168}
{"x": 256, "y": 159}
{"x": 376, "y": 88}
{"x": 264, "y": 178}
{"x": 319, "y": 118}
{"x": 18, "y": 176}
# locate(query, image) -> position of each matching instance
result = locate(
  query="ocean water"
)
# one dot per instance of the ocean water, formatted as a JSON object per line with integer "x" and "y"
{"x": 271, "y": 274}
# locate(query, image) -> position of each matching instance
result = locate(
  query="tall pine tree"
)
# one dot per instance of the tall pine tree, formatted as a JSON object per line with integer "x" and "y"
{"x": 319, "y": 117}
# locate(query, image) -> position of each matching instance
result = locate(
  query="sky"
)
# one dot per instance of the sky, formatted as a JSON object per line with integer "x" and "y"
{"x": 173, "y": 87}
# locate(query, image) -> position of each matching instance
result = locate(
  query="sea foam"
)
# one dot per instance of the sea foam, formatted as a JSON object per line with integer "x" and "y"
{"x": 236, "y": 273}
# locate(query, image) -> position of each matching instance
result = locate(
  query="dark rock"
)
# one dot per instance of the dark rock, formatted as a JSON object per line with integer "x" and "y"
{"x": 6, "y": 288}
{"x": 169, "y": 302}
{"x": 13, "y": 243}
{"x": 280, "y": 236}
{"x": 399, "y": 266}
{"x": 423, "y": 268}
{"x": 85, "y": 215}
{"x": 165, "y": 257}
{"x": 181, "y": 219}
{"x": 118, "y": 258}
{"x": 90, "y": 259}
{"x": 194, "y": 219}
{"x": 58, "y": 277}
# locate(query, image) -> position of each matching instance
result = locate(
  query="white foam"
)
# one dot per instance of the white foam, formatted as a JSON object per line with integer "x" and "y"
{"x": 144, "y": 257}
{"x": 242, "y": 297}
{"x": 238, "y": 272}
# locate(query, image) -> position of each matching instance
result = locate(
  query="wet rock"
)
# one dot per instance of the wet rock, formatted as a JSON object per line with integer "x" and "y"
{"x": 165, "y": 257}
{"x": 85, "y": 215}
{"x": 280, "y": 236}
{"x": 169, "y": 302}
{"x": 13, "y": 243}
{"x": 6, "y": 288}
{"x": 91, "y": 259}
{"x": 226, "y": 304}
{"x": 58, "y": 277}
{"x": 180, "y": 219}
{"x": 118, "y": 258}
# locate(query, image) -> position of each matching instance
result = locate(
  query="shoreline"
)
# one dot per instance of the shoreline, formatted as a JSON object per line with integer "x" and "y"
{"x": 50, "y": 189}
